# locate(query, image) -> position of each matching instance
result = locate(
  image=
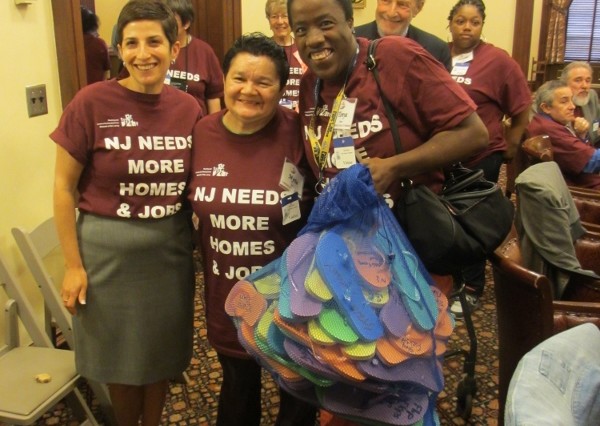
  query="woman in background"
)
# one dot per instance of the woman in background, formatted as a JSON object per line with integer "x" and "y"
{"x": 196, "y": 69}
{"x": 240, "y": 158}
{"x": 123, "y": 155}
{"x": 276, "y": 11}
{"x": 497, "y": 85}
{"x": 97, "y": 62}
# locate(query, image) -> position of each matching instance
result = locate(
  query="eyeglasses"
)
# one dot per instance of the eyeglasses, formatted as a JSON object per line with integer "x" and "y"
{"x": 278, "y": 17}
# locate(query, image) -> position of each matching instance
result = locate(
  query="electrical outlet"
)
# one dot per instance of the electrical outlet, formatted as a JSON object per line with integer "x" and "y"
{"x": 37, "y": 104}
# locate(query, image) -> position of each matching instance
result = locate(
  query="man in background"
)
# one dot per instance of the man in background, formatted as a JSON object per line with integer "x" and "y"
{"x": 393, "y": 17}
{"x": 578, "y": 75}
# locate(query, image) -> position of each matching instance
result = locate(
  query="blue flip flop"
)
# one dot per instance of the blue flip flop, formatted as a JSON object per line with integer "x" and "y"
{"x": 335, "y": 265}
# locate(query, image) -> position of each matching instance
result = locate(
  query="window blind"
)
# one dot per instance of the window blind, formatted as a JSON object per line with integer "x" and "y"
{"x": 583, "y": 31}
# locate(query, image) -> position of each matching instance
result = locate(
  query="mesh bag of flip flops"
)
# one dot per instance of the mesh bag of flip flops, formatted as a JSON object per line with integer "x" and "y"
{"x": 348, "y": 318}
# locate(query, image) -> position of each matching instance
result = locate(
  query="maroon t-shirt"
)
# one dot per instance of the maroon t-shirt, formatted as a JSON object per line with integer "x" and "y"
{"x": 97, "y": 61}
{"x": 570, "y": 153}
{"x": 135, "y": 148}
{"x": 297, "y": 68}
{"x": 234, "y": 191}
{"x": 420, "y": 90}
{"x": 497, "y": 85}
{"x": 198, "y": 67}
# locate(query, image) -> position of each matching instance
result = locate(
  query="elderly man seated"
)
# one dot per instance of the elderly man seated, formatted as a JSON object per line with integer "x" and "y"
{"x": 578, "y": 75}
{"x": 579, "y": 162}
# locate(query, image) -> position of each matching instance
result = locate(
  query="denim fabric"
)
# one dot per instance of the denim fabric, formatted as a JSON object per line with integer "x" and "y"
{"x": 558, "y": 382}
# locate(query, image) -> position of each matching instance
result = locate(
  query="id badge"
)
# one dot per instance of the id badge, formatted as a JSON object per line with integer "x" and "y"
{"x": 291, "y": 178}
{"x": 343, "y": 152}
{"x": 460, "y": 69}
{"x": 179, "y": 83}
{"x": 286, "y": 103}
{"x": 290, "y": 208}
{"x": 595, "y": 126}
{"x": 346, "y": 113}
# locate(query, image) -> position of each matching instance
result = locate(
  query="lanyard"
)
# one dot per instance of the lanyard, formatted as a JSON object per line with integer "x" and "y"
{"x": 320, "y": 149}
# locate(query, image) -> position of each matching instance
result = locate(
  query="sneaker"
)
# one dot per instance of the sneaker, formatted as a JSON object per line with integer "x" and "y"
{"x": 456, "y": 307}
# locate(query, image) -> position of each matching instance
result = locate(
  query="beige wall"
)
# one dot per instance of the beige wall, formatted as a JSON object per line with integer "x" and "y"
{"x": 108, "y": 12}
{"x": 27, "y": 154}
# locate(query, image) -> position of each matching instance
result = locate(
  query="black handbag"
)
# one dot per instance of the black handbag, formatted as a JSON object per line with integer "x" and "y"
{"x": 460, "y": 226}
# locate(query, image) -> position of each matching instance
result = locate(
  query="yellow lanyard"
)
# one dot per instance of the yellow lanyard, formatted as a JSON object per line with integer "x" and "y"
{"x": 320, "y": 149}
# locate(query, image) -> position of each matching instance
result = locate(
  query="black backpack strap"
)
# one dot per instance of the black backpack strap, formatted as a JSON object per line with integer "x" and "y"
{"x": 372, "y": 66}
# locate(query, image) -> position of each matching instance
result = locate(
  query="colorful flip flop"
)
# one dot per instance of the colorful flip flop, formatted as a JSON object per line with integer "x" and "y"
{"x": 300, "y": 254}
{"x": 295, "y": 331}
{"x": 360, "y": 351}
{"x": 318, "y": 335}
{"x": 338, "y": 271}
{"x": 389, "y": 353}
{"x": 303, "y": 356}
{"x": 393, "y": 315}
{"x": 376, "y": 298}
{"x": 422, "y": 371}
{"x": 390, "y": 409}
{"x": 243, "y": 301}
{"x": 369, "y": 261}
{"x": 339, "y": 362}
{"x": 414, "y": 342}
{"x": 315, "y": 286}
{"x": 336, "y": 327}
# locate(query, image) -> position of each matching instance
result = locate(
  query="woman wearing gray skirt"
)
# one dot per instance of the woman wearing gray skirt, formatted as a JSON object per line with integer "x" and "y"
{"x": 123, "y": 153}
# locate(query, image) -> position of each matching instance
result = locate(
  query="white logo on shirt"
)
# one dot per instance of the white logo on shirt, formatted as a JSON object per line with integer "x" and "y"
{"x": 219, "y": 170}
{"x": 128, "y": 121}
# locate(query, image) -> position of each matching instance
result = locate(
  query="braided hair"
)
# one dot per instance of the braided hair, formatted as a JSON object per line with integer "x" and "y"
{"x": 477, "y": 3}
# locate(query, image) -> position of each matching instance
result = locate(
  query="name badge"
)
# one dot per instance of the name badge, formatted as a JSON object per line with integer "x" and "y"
{"x": 464, "y": 58}
{"x": 291, "y": 178}
{"x": 595, "y": 126}
{"x": 346, "y": 113}
{"x": 343, "y": 152}
{"x": 179, "y": 83}
{"x": 290, "y": 208}
{"x": 460, "y": 69}
{"x": 286, "y": 103}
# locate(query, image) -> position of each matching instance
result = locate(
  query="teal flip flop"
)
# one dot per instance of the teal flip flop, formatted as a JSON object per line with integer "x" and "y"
{"x": 335, "y": 265}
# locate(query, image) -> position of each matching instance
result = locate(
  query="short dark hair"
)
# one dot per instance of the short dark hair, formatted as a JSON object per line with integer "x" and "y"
{"x": 346, "y": 6}
{"x": 258, "y": 44}
{"x": 89, "y": 20}
{"x": 477, "y": 3}
{"x": 183, "y": 8}
{"x": 152, "y": 10}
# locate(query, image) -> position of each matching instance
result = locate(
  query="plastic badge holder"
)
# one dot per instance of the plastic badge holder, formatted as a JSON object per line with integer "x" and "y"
{"x": 338, "y": 271}
{"x": 300, "y": 254}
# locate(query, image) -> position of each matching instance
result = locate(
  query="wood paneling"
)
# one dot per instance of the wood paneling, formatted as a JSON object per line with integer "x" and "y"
{"x": 521, "y": 50}
{"x": 218, "y": 23}
{"x": 68, "y": 36}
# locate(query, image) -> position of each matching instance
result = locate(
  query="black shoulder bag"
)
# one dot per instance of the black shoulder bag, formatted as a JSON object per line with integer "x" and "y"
{"x": 460, "y": 226}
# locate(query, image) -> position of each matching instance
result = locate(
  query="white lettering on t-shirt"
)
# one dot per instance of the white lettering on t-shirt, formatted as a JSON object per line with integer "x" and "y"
{"x": 462, "y": 80}
{"x": 250, "y": 196}
{"x": 153, "y": 189}
{"x": 156, "y": 166}
{"x": 113, "y": 143}
{"x": 164, "y": 143}
{"x": 201, "y": 195}
{"x": 244, "y": 223}
{"x": 242, "y": 248}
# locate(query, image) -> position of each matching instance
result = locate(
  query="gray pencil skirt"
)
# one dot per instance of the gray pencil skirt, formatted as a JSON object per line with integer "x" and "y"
{"x": 137, "y": 325}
